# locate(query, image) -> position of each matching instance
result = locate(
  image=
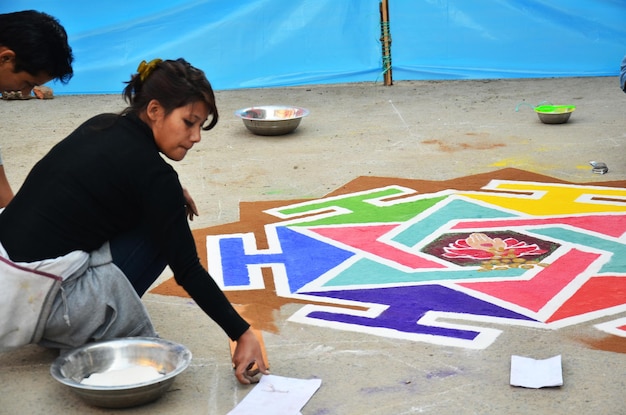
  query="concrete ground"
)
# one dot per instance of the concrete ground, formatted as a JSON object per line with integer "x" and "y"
{"x": 415, "y": 130}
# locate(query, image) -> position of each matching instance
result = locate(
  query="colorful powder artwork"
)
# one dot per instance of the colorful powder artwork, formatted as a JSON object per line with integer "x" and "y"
{"x": 443, "y": 262}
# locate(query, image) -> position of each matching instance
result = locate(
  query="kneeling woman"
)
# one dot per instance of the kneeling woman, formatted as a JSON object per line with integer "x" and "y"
{"x": 107, "y": 213}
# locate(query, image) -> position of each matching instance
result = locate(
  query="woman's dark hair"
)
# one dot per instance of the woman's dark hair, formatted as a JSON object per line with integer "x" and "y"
{"x": 174, "y": 83}
{"x": 39, "y": 42}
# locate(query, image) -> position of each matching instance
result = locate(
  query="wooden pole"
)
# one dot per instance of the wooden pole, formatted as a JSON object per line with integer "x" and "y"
{"x": 385, "y": 39}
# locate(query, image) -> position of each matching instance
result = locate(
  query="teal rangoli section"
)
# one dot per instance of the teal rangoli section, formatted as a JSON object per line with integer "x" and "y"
{"x": 371, "y": 273}
{"x": 442, "y": 214}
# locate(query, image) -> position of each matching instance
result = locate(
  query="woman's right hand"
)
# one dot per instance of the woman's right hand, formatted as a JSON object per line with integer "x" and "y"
{"x": 247, "y": 353}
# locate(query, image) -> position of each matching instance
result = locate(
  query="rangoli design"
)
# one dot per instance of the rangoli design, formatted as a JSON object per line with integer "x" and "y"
{"x": 450, "y": 263}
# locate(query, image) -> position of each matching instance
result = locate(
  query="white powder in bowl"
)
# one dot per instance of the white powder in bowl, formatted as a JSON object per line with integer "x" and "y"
{"x": 122, "y": 377}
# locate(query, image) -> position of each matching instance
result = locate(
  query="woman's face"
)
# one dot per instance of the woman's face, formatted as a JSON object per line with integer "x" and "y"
{"x": 176, "y": 132}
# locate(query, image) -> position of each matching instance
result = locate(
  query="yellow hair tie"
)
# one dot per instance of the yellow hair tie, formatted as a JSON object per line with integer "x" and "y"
{"x": 145, "y": 69}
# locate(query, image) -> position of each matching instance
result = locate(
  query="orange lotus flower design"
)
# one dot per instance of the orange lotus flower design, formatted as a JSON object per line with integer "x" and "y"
{"x": 479, "y": 246}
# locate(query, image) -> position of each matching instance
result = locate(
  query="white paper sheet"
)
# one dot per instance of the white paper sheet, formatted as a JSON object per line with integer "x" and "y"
{"x": 532, "y": 373}
{"x": 277, "y": 395}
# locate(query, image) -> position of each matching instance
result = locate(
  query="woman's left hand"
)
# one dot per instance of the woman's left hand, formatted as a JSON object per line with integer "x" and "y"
{"x": 192, "y": 210}
{"x": 247, "y": 353}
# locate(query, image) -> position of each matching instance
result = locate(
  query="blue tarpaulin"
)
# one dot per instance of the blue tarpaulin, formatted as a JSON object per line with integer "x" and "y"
{"x": 269, "y": 43}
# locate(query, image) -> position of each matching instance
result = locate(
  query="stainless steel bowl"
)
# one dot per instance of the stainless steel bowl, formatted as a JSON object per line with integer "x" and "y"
{"x": 272, "y": 119}
{"x": 554, "y": 114}
{"x": 168, "y": 358}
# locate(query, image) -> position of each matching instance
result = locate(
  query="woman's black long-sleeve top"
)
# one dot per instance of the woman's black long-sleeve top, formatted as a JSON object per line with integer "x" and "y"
{"x": 100, "y": 182}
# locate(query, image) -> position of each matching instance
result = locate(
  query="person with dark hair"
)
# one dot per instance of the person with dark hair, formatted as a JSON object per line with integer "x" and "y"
{"x": 107, "y": 213}
{"x": 33, "y": 50}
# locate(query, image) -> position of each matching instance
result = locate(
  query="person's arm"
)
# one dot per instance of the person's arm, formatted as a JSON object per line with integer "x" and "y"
{"x": 175, "y": 237}
{"x": 6, "y": 193}
{"x": 210, "y": 298}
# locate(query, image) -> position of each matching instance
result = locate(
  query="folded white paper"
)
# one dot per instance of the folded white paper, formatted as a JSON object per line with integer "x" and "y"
{"x": 277, "y": 395}
{"x": 532, "y": 373}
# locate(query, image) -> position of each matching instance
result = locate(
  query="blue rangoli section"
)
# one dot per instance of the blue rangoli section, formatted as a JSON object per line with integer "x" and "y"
{"x": 408, "y": 304}
{"x": 304, "y": 259}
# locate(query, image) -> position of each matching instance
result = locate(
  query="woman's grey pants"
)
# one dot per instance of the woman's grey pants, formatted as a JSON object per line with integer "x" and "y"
{"x": 96, "y": 303}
